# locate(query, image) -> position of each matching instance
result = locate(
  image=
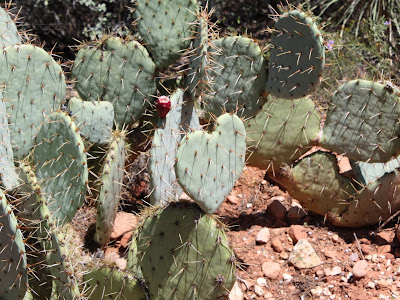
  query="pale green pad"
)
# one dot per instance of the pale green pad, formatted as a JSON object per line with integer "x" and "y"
{"x": 61, "y": 166}
{"x": 367, "y": 173}
{"x": 9, "y": 178}
{"x": 208, "y": 165}
{"x": 34, "y": 86}
{"x": 117, "y": 71}
{"x": 166, "y": 27}
{"x": 13, "y": 264}
{"x": 95, "y": 119}
{"x": 237, "y": 77}
{"x": 315, "y": 181}
{"x": 297, "y": 57}
{"x": 181, "y": 118}
{"x": 282, "y": 132}
{"x": 185, "y": 254}
{"x": 112, "y": 283}
{"x": 8, "y": 30}
{"x": 363, "y": 122}
{"x": 111, "y": 179}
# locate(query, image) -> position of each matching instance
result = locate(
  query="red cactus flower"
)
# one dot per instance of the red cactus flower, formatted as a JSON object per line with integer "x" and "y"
{"x": 163, "y": 106}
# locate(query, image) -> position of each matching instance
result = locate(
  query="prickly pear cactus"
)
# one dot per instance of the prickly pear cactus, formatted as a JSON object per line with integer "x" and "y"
{"x": 297, "y": 56}
{"x": 61, "y": 166}
{"x": 95, "y": 119}
{"x": 34, "y": 86}
{"x": 363, "y": 121}
{"x": 13, "y": 263}
{"x": 8, "y": 30}
{"x": 282, "y": 132}
{"x": 208, "y": 164}
{"x": 237, "y": 77}
{"x": 166, "y": 27}
{"x": 9, "y": 178}
{"x": 181, "y": 118}
{"x": 117, "y": 71}
{"x": 367, "y": 173}
{"x": 112, "y": 283}
{"x": 110, "y": 188}
{"x": 184, "y": 254}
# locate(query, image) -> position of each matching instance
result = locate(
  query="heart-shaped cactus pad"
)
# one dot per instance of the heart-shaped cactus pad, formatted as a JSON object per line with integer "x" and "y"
{"x": 208, "y": 164}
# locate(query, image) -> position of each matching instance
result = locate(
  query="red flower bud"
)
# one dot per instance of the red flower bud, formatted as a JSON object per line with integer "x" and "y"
{"x": 163, "y": 106}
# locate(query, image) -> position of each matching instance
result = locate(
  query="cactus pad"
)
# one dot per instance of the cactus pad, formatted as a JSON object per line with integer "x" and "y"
{"x": 282, "y": 132}
{"x": 117, "y": 71}
{"x": 237, "y": 77}
{"x": 8, "y": 30}
{"x": 208, "y": 164}
{"x": 297, "y": 56}
{"x": 34, "y": 86}
{"x": 363, "y": 121}
{"x": 13, "y": 264}
{"x": 61, "y": 166}
{"x": 95, "y": 119}
{"x": 166, "y": 27}
{"x": 181, "y": 117}
{"x": 184, "y": 254}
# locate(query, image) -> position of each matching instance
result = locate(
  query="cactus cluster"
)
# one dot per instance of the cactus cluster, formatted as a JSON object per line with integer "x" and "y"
{"x": 229, "y": 99}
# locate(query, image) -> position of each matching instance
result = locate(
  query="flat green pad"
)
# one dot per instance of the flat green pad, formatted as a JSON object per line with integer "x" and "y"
{"x": 61, "y": 166}
{"x": 315, "y": 181}
{"x": 112, "y": 283}
{"x": 95, "y": 119}
{"x": 237, "y": 77}
{"x": 363, "y": 122}
{"x": 166, "y": 27}
{"x": 282, "y": 132}
{"x": 13, "y": 264}
{"x": 8, "y": 30}
{"x": 367, "y": 173}
{"x": 117, "y": 71}
{"x": 184, "y": 254}
{"x": 297, "y": 57}
{"x": 208, "y": 165}
{"x": 34, "y": 86}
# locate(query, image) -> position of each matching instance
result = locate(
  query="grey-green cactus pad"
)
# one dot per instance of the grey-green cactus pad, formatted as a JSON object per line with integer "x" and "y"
{"x": 117, "y": 71}
{"x": 181, "y": 118}
{"x": 237, "y": 77}
{"x": 297, "y": 56}
{"x": 208, "y": 164}
{"x": 95, "y": 119}
{"x": 61, "y": 166}
{"x": 367, "y": 173}
{"x": 184, "y": 254}
{"x": 166, "y": 27}
{"x": 281, "y": 132}
{"x": 34, "y": 86}
{"x": 13, "y": 263}
{"x": 8, "y": 30}
{"x": 363, "y": 121}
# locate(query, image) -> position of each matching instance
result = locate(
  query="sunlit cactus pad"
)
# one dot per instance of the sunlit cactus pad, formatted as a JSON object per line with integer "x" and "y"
{"x": 165, "y": 27}
{"x": 208, "y": 164}
{"x": 281, "y": 132}
{"x": 34, "y": 85}
{"x": 13, "y": 264}
{"x": 61, "y": 166}
{"x": 95, "y": 119}
{"x": 237, "y": 74}
{"x": 296, "y": 58}
{"x": 184, "y": 254}
{"x": 8, "y": 30}
{"x": 117, "y": 71}
{"x": 363, "y": 121}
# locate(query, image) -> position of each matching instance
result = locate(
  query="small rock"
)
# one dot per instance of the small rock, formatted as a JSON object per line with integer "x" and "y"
{"x": 123, "y": 222}
{"x": 297, "y": 232}
{"x": 284, "y": 255}
{"x": 384, "y": 249}
{"x": 296, "y": 212}
{"x": 258, "y": 290}
{"x": 383, "y": 284}
{"x": 268, "y": 295}
{"x": 303, "y": 255}
{"x": 333, "y": 272}
{"x": 335, "y": 238}
{"x": 277, "y": 245}
{"x": 384, "y": 237}
{"x": 125, "y": 239}
{"x": 277, "y": 209}
{"x": 354, "y": 256}
{"x": 263, "y": 236}
{"x": 365, "y": 249}
{"x": 371, "y": 285}
{"x": 236, "y": 293}
{"x": 232, "y": 199}
{"x": 329, "y": 253}
{"x": 271, "y": 269}
{"x": 261, "y": 281}
{"x": 364, "y": 241}
{"x": 360, "y": 269}
{"x": 317, "y": 291}
{"x": 287, "y": 277}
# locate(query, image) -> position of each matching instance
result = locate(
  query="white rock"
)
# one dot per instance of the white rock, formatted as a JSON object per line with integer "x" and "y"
{"x": 258, "y": 290}
{"x": 236, "y": 293}
{"x": 261, "y": 281}
{"x": 317, "y": 291}
{"x": 287, "y": 277}
{"x": 304, "y": 256}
